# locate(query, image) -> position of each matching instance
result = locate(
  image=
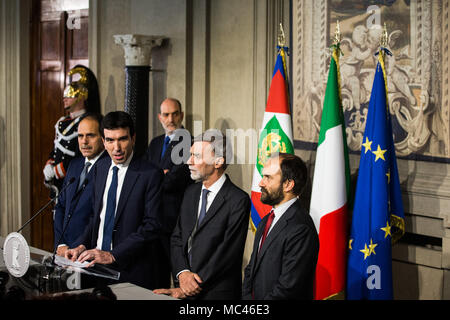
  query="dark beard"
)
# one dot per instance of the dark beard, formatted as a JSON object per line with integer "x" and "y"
{"x": 272, "y": 199}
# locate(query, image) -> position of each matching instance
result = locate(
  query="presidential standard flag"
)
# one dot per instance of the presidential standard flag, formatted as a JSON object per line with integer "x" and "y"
{"x": 378, "y": 217}
{"x": 330, "y": 191}
{"x": 275, "y": 135}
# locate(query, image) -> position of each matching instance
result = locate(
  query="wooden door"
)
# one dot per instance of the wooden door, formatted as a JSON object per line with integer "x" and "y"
{"x": 55, "y": 49}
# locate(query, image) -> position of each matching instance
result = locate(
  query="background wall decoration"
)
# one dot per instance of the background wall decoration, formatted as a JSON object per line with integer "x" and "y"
{"x": 417, "y": 71}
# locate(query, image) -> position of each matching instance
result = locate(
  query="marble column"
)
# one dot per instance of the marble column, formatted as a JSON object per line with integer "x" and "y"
{"x": 138, "y": 50}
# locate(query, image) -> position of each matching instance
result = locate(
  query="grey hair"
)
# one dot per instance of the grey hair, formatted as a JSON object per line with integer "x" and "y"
{"x": 219, "y": 144}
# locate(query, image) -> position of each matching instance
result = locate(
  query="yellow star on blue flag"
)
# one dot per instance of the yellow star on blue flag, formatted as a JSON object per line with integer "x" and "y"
{"x": 378, "y": 209}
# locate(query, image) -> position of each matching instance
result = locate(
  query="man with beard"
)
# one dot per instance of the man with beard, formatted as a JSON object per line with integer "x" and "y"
{"x": 286, "y": 245}
{"x": 208, "y": 241}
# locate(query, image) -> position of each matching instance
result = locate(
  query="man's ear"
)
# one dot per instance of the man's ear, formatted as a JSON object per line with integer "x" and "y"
{"x": 288, "y": 185}
{"x": 218, "y": 162}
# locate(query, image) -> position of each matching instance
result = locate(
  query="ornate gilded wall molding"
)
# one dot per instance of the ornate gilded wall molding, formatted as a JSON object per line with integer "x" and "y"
{"x": 417, "y": 88}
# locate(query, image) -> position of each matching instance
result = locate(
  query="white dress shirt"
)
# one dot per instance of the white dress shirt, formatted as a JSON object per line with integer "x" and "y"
{"x": 123, "y": 167}
{"x": 213, "y": 191}
{"x": 93, "y": 161}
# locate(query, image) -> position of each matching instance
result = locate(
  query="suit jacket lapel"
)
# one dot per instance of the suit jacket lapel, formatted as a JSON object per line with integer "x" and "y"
{"x": 100, "y": 184}
{"x": 159, "y": 149}
{"x": 216, "y": 204}
{"x": 72, "y": 190}
{"x": 193, "y": 213}
{"x": 254, "y": 256}
{"x": 167, "y": 153}
{"x": 128, "y": 183}
{"x": 275, "y": 232}
{"x": 100, "y": 177}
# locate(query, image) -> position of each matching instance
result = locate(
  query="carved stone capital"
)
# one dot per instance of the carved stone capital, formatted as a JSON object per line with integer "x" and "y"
{"x": 138, "y": 48}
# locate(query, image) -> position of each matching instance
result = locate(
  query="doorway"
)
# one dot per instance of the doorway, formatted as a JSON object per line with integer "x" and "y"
{"x": 59, "y": 41}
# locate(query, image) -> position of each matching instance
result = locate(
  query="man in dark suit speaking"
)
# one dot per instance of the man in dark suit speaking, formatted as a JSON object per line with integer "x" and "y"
{"x": 208, "y": 241}
{"x": 286, "y": 245}
{"x": 124, "y": 232}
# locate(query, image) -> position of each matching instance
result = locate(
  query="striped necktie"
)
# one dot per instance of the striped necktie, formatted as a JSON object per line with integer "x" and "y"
{"x": 83, "y": 175}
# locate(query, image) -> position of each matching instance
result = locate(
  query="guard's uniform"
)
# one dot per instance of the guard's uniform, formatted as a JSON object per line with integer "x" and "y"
{"x": 65, "y": 149}
{"x": 66, "y": 129}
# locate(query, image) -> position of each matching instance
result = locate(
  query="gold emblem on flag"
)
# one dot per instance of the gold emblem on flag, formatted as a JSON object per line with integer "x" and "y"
{"x": 272, "y": 143}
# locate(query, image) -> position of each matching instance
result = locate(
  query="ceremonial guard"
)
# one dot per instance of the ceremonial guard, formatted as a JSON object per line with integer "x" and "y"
{"x": 81, "y": 96}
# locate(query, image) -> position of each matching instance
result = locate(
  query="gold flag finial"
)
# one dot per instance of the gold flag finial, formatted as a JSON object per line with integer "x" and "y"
{"x": 384, "y": 37}
{"x": 281, "y": 37}
{"x": 337, "y": 33}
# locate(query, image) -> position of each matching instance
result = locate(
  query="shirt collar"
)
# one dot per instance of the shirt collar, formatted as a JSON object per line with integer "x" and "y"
{"x": 216, "y": 186}
{"x": 92, "y": 161}
{"x": 278, "y": 211}
{"x": 171, "y": 136}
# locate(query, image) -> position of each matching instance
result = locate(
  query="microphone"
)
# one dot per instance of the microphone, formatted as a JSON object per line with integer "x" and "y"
{"x": 77, "y": 198}
{"x": 46, "y": 205}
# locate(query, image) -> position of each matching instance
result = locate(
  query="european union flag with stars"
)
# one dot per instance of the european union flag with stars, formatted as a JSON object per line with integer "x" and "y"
{"x": 378, "y": 217}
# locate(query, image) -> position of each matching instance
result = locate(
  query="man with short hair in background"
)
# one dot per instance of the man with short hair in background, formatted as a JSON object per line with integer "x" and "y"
{"x": 165, "y": 152}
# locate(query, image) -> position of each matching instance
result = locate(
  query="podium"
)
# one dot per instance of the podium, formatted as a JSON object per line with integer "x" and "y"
{"x": 32, "y": 273}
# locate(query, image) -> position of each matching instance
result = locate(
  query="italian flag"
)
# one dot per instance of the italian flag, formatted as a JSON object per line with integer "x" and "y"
{"x": 275, "y": 135}
{"x": 330, "y": 191}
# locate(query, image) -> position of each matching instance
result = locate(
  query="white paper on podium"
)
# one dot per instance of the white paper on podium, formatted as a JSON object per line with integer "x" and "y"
{"x": 63, "y": 262}
{"x": 97, "y": 270}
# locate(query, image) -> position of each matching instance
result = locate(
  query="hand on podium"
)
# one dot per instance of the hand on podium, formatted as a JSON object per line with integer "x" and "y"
{"x": 173, "y": 292}
{"x": 61, "y": 251}
{"x": 93, "y": 256}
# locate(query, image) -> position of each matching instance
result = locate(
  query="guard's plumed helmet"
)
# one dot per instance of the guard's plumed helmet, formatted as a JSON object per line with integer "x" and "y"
{"x": 83, "y": 86}
{"x": 77, "y": 89}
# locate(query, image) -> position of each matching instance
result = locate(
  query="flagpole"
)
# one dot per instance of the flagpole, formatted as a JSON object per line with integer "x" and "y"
{"x": 330, "y": 188}
{"x": 383, "y": 40}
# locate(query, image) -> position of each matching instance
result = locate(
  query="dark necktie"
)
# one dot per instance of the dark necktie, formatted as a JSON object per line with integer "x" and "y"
{"x": 165, "y": 145}
{"x": 203, "y": 207}
{"x": 110, "y": 212}
{"x": 267, "y": 227}
{"x": 83, "y": 174}
{"x": 201, "y": 216}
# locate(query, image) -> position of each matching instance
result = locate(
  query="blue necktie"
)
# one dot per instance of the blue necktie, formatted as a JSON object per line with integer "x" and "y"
{"x": 110, "y": 212}
{"x": 203, "y": 207}
{"x": 165, "y": 145}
